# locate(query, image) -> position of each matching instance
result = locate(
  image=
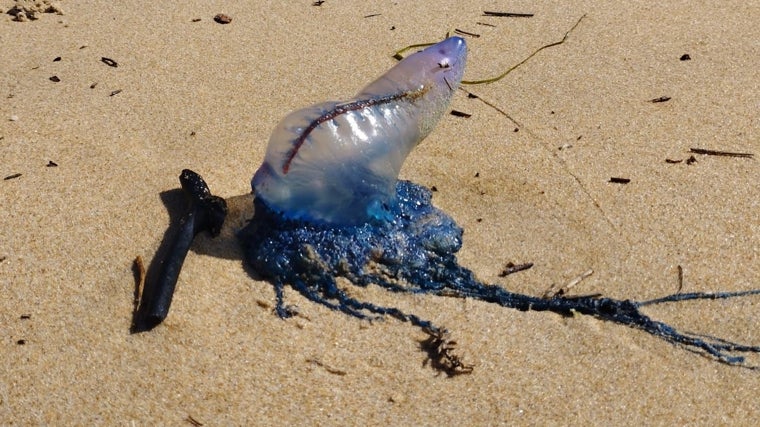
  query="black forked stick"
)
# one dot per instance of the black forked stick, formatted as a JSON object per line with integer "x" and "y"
{"x": 205, "y": 212}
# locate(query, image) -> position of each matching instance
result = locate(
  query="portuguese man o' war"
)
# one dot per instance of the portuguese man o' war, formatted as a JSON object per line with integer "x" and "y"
{"x": 338, "y": 162}
{"x": 328, "y": 204}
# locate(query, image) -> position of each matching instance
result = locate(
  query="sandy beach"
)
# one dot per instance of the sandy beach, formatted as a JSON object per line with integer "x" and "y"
{"x": 91, "y": 148}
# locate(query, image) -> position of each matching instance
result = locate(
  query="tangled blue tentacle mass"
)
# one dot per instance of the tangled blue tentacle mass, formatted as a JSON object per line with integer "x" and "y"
{"x": 415, "y": 252}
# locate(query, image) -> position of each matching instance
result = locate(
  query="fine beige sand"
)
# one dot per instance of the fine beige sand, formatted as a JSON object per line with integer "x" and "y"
{"x": 527, "y": 176}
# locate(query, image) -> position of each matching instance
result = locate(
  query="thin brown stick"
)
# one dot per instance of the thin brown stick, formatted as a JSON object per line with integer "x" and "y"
{"x": 465, "y": 33}
{"x": 192, "y": 421}
{"x": 457, "y": 113}
{"x": 619, "y": 180}
{"x": 553, "y": 292}
{"x": 138, "y": 267}
{"x": 680, "y": 279}
{"x": 327, "y": 368}
{"x": 508, "y": 14}
{"x": 721, "y": 153}
{"x": 511, "y": 268}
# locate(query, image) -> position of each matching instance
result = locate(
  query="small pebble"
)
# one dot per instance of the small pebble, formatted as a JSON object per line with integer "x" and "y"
{"x": 222, "y": 19}
{"x": 14, "y": 118}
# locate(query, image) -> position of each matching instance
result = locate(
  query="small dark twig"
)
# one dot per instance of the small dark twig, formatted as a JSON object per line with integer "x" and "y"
{"x": 680, "y": 279}
{"x": 554, "y": 292}
{"x": 138, "y": 269}
{"x": 508, "y": 14}
{"x": 465, "y": 33}
{"x": 721, "y": 153}
{"x": 327, "y": 368}
{"x": 457, "y": 113}
{"x": 618, "y": 180}
{"x": 193, "y": 421}
{"x": 511, "y": 268}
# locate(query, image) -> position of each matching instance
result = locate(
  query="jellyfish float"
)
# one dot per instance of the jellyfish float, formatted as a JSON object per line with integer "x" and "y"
{"x": 329, "y": 204}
